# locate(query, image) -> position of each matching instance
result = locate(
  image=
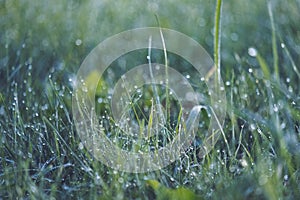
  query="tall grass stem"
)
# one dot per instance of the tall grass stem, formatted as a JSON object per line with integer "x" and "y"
{"x": 274, "y": 42}
{"x": 217, "y": 41}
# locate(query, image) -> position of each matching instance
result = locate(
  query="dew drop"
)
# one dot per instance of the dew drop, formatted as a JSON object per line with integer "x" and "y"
{"x": 252, "y": 52}
{"x": 78, "y": 42}
{"x": 257, "y": 92}
{"x": 252, "y": 127}
{"x": 100, "y": 100}
{"x": 275, "y": 108}
{"x": 80, "y": 146}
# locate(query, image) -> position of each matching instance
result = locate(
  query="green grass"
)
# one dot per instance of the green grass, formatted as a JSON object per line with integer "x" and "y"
{"x": 42, "y": 46}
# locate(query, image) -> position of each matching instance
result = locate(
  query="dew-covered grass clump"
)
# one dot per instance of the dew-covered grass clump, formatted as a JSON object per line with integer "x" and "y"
{"x": 257, "y": 154}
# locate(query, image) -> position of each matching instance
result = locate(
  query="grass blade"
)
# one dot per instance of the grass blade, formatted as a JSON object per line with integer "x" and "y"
{"x": 264, "y": 66}
{"x": 274, "y": 44}
{"x": 217, "y": 41}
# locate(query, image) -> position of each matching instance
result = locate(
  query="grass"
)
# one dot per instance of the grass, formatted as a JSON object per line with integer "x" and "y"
{"x": 41, "y": 154}
{"x": 217, "y": 42}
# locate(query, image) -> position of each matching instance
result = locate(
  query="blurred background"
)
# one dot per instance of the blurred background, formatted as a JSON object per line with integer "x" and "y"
{"x": 58, "y": 35}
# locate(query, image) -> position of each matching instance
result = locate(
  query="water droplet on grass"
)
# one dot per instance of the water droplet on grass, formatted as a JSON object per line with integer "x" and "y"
{"x": 78, "y": 42}
{"x": 252, "y": 52}
{"x": 100, "y": 100}
{"x": 275, "y": 108}
{"x": 257, "y": 92}
{"x": 80, "y": 146}
{"x": 244, "y": 163}
{"x": 252, "y": 127}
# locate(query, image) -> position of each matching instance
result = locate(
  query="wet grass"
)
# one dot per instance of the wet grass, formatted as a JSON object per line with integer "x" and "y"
{"x": 42, "y": 46}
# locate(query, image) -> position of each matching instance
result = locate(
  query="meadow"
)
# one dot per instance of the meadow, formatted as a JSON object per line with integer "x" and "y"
{"x": 42, "y": 45}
